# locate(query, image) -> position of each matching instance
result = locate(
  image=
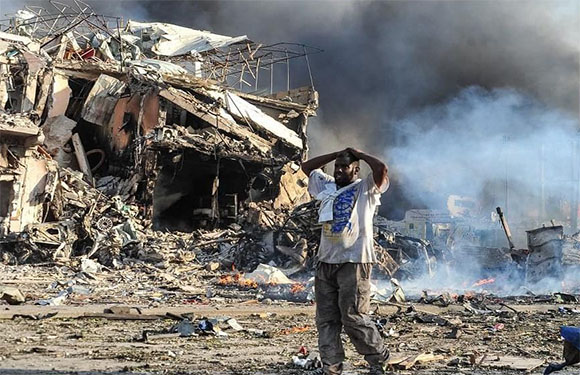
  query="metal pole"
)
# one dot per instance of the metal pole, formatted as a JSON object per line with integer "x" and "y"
{"x": 272, "y": 75}
{"x": 542, "y": 183}
{"x": 257, "y": 74}
{"x": 574, "y": 200}
{"x": 575, "y": 182}
{"x": 287, "y": 72}
{"x": 121, "y": 44}
{"x": 506, "y": 174}
{"x": 308, "y": 66}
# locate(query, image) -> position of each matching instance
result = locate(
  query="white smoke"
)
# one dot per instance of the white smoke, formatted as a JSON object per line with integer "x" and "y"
{"x": 476, "y": 145}
{"x": 481, "y": 141}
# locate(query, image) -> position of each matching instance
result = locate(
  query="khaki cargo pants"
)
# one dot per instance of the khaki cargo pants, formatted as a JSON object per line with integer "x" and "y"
{"x": 343, "y": 300}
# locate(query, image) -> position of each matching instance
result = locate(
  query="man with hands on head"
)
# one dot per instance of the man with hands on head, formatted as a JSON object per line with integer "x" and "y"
{"x": 346, "y": 255}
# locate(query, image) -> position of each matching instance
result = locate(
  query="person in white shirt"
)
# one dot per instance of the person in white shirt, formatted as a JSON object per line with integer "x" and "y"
{"x": 346, "y": 255}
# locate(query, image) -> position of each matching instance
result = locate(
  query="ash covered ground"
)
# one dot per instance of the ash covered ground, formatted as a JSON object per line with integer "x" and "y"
{"x": 143, "y": 331}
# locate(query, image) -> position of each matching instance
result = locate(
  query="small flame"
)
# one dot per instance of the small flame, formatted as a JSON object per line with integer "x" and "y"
{"x": 483, "y": 282}
{"x": 238, "y": 280}
{"x": 295, "y": 330}
{"x": 297, "y": 288}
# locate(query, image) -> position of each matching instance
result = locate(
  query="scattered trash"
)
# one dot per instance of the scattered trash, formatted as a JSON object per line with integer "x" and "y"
{"x": 55, "y": 301}
{"x": 454, "y": 334}
{"x": 212, "y": 266}
{"x": 78, "y": 289}
{"x": 398, "y": 294}
{"x": 498, "y": 327}
{"x": 90, "y": 267}
{"x": 292, "y": 330}
{"x": 205, "y": 326}
{"x": 564, "y": 298}
{"x": 307, "y": 361}
{"x": 234, "y": 324}
{"x": 407, "y": 362}
{"x": 265, "y": 274}
{"x": 186, "y": 328}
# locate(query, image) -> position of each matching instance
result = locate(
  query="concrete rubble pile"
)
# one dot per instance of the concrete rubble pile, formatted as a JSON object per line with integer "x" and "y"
{"x": 131, "y": 141}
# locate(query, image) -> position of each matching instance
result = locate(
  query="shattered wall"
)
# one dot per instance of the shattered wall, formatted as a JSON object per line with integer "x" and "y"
{"x": 23, "y": 173}
{"x": 155, "y": 145}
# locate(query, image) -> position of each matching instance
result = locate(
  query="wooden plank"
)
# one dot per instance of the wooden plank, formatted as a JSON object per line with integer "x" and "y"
{"x": 82, "y": 157}
{"x": 122, "y": 316}
{"x": 420, "y": 358}
{"x": 509, "y": 362}
{"x": 396, "y": 358}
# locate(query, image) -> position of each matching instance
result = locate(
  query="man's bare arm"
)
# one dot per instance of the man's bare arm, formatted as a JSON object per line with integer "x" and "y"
{"x": 317, "y": 162}
{"x": 379, "y": 168}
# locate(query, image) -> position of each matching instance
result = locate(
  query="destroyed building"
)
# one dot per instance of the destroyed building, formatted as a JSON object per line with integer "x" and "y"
{"x": 180, "y": 128}
{"x": 129, "y": 139}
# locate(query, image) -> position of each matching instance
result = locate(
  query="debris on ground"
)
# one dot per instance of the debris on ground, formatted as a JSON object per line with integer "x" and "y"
{"x": 12, "y": 296}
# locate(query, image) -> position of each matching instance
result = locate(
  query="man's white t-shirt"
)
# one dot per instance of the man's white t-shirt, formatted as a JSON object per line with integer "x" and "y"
{"x": 348, "y": 237}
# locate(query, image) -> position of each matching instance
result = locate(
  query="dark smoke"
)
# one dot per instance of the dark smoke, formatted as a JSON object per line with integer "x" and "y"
{"x": 386, "y": 61}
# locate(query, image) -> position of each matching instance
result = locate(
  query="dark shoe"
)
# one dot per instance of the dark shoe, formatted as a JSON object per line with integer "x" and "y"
{"x": 386, "y": 355}
{"x": 379, "y": 368}
{"x": 335, "y": 369}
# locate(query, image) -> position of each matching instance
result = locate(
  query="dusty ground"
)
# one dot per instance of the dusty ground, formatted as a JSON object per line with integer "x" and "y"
{"x": 274, "y": 331}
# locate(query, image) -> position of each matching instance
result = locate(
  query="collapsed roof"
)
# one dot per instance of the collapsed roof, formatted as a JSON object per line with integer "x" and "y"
{"x": 182, "y": 124}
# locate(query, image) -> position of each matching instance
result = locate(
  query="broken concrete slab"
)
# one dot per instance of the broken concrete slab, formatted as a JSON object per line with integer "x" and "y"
{"x": 246, "y": 111}
{"x": 101, "y": 100}
{"x": 60, "y": 94}
{"x": 511, "y": 362}
{"x": 57, "y": 132}
{"x": 12, "y": 295}
{"x": 293, "y": 187}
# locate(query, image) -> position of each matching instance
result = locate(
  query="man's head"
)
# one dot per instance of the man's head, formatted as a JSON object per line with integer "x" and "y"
{"x": 346, "y": 168}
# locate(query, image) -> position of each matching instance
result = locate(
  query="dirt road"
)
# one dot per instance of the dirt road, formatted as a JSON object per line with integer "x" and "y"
{"x": 479, "y": 336}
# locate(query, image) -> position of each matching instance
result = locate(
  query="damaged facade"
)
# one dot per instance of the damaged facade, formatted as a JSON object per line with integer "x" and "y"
{"x": 110, "y": 131}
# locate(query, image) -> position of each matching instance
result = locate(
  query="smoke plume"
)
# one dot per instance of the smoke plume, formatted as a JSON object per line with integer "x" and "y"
{"x": 482, "y": 142}
{"x": 387, "y": 64}
{"x": 395, "y": 79}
